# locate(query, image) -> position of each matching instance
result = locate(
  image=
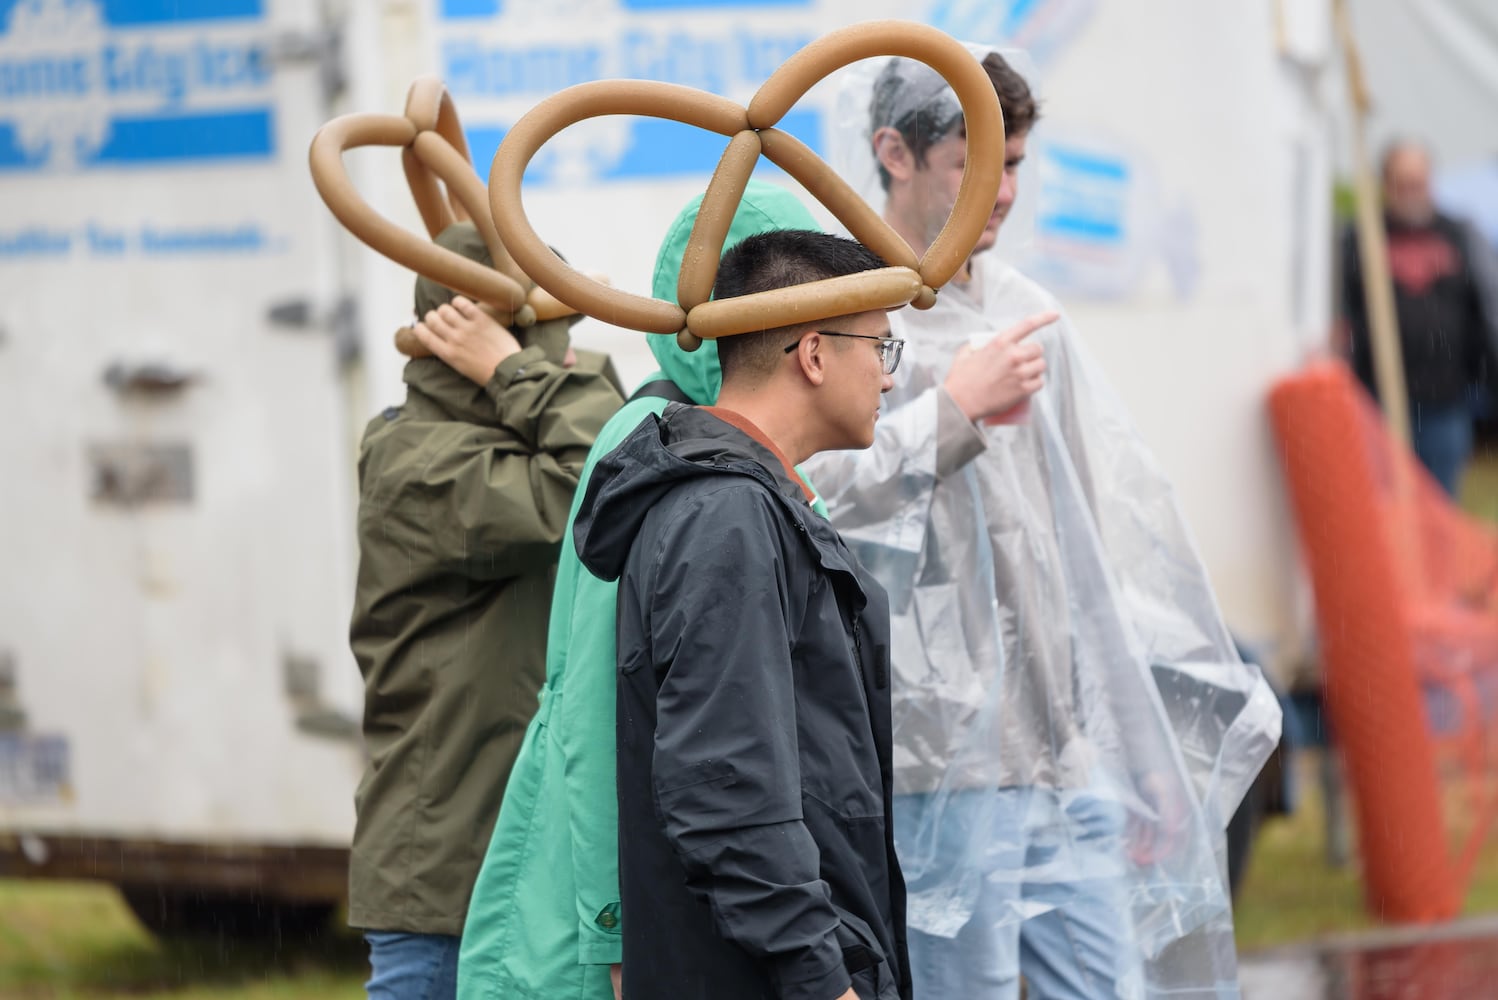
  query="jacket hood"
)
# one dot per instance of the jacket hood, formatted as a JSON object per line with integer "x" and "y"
{"x": 765, "y": 207}
{"x": 682, "y": 443}
{"x": 463, "y": 239}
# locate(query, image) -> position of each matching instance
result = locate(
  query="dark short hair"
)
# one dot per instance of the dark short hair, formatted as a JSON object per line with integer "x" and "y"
{"x": 933, "y": 120}
{"x": 779, "y": 258}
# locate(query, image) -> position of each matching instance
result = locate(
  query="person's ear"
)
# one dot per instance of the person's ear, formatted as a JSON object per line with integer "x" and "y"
{"x": 811, "y": 357}
{"x": 893, "y": 154}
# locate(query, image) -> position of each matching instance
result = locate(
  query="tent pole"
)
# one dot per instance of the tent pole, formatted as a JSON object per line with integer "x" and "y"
{"x": 1373, "y": 248}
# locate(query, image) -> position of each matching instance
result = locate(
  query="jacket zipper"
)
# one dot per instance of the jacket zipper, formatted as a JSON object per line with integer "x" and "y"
{"x": 863, "y": 695}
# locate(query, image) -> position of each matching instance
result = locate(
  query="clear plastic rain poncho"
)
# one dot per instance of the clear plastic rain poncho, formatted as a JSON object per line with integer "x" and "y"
{"x": 1069, "y": 708}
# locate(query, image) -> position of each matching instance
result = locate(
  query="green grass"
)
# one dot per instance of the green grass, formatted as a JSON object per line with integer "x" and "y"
{"x": 1290, "y": 894}
{"x": 78, "y": 940}
{"x": 1479, "y": 495}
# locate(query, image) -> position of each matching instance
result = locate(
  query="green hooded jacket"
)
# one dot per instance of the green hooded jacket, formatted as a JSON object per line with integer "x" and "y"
{"x": 464, "y": 493}
{"x": 544, "y": 922}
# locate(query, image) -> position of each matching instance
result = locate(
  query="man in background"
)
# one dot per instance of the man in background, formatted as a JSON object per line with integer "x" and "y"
{"x": 1446, "y": 304}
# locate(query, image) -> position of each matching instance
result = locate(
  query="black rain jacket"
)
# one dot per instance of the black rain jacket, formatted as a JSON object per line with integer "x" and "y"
{"x": 756, "y": 855}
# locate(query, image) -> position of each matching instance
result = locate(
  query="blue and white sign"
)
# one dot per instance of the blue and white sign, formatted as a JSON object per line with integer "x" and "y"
{"x": 1103, "y": 218}
{"x": 500, "y": 57}
{"x": 112, "y": 83}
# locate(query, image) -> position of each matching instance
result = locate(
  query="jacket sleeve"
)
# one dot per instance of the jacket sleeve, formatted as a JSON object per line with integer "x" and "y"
{"x": 585, "y": 729}
{"x": 915, "y": 443}
{"x": 499, "y": 502}
{"x": 726, "y": 767}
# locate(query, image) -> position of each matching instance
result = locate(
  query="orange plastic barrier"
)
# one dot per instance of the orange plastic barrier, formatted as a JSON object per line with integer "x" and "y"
{"x": 1405, "y": 603}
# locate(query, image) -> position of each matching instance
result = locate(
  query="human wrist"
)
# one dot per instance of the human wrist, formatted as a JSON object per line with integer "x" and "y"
{"x": 966, "y": 403}
{"x": 959, "y": 438}
{"x": 488, "y": 368}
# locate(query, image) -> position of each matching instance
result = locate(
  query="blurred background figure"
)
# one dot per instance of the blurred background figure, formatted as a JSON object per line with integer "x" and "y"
{"x": 1446, "y": 307}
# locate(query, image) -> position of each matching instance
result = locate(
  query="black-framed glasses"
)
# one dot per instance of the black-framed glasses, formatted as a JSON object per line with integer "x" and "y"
{"x": 890, "y": 348}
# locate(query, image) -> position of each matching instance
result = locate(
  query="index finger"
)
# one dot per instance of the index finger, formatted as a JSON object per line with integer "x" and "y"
{"x": 1027, "y": 326}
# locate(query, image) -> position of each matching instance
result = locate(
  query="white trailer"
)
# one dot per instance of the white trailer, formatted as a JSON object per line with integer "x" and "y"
{"x": 180, "y": 705}
{"x": 189, "y": 348}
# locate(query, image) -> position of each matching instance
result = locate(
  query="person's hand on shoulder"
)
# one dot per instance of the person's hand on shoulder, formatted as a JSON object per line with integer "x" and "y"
{"x": 469, "y": 340}
{"x": 991, "y": 380}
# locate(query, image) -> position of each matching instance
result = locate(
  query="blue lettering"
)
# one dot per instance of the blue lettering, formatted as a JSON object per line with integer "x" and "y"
{"x": 470, "y": 68}
{"x": 227, "y": 66}
{"x": 258, "y": 65}
{"x": 638, "y": 54}
{"x": 36, "y": 241}
{"x": 110, "y": 242}
{"x": 44, "y": 76}
{"x": 703, "y": 63}
{"x": 460, "y": 67}
{"x": 168, "y": 74}
{"x": 761, "y": 55}
{"x": 677, "y": 58}
{"x": 147, "y": 70}
{"x": 246, "y": 238}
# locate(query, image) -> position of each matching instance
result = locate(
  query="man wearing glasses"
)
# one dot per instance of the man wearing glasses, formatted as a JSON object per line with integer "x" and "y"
{"x": 756, "y": 856}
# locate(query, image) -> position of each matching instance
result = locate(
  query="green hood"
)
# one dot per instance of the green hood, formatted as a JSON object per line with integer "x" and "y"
{"x": 764, "y": 207}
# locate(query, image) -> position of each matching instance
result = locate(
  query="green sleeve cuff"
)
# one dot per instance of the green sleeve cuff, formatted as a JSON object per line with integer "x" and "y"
{"x": 513, "y": 367}
{"x": 600, "y": 942}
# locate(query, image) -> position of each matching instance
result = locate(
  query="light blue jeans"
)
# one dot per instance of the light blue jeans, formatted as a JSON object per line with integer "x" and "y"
{"x": 1042, "y": 871}
{"x": 412, "y": 966}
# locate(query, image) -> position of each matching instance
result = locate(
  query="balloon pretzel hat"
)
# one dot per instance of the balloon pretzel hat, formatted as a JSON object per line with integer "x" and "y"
{"x": 695, "y": 317}
{"x": 447, "y": 190}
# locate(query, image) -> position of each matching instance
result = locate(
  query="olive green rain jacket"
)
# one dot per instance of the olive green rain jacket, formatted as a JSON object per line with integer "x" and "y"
{"x": 545, "y": 920}
{"x": 464, "y": 500}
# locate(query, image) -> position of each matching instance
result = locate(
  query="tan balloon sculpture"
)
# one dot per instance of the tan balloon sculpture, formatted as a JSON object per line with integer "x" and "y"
{"x": 434, "y": 154}
{"x": 433, "y": 144}
{"x": 752, "y": 133}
